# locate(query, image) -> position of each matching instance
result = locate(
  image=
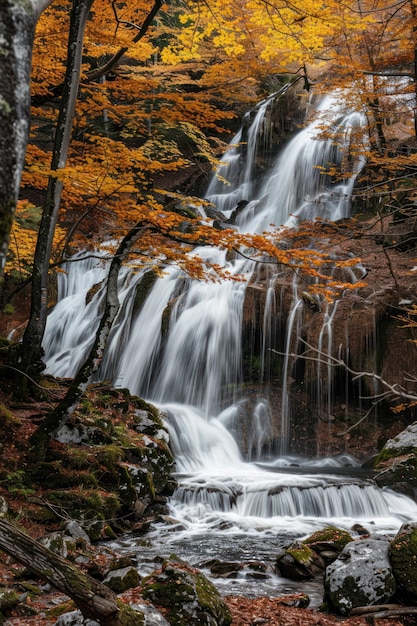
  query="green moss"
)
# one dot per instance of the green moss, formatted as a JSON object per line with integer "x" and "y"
{"x": 301, "y": 554}
{"x": 142, "y": 405}
{"x": 120, "y": 432}
{"x": 128, "y": 616}
{"x": 403, "y": 557}
{"x": 8, "y": 599}
{"x": 110, "y": 455}
{"x": 6, "y": 417}
{"x": 350, "y": 589}
{"x": 86, "y": 406}
{"x": 337, "y": 537}
{"x": 187, "y": 594}
{"x": 129, "y": 580}
{"x": 85, "y": 504}
{"x": 19, "y": 483}
{"x": 64, "y": 607}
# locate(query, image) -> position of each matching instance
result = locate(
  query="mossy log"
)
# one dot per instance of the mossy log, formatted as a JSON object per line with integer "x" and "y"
{"x": 95, "y": 600}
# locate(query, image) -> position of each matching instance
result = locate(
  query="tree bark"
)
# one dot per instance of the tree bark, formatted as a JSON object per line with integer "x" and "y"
{"x": 58, "y": 416}
{"x": 17, "y": 27}
{"x": 31, "y": 348}
{"x": 95, "y": 600}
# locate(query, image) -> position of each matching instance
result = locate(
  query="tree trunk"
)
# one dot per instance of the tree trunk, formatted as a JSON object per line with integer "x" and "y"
{"x": 95, "y": 600}
{"x": 17, "y": 27}
{"x": 31, "y": 348}
{"x": 56, "y": 418}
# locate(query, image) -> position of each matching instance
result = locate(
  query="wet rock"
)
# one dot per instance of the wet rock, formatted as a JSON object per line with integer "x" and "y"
{"x": 361, "y": 530}
{"x": 189, "y": 597}
{"x": 403, "y": 556}
{"x": 361, "y": 576}
{"x": 225, "y": 569}
{"x": 299, "y": 562}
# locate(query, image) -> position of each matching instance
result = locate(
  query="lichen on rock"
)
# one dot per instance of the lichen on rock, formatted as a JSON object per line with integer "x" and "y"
{"x": 361, "y": 576}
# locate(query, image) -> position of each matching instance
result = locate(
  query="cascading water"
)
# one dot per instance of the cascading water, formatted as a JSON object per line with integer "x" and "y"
{"x": 194, "y": 373}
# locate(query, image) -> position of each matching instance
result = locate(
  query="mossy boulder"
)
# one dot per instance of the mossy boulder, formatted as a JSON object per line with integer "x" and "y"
{"x": 121, "y": 579}
{"x": 397, "y": 462}
{"x": 110, "y": 461}
{"x": 187, "y": 595}
{"x": 360, "y": 576}
{"x": 328, "y": 543}
{"x": 403, "y": 557}
{"x": 299, "y": 562}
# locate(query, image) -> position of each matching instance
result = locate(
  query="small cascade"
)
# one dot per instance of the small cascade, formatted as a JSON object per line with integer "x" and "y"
{"x": 182, "y": 350}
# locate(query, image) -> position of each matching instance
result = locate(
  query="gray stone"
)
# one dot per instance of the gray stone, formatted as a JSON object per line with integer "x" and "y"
{"x": 121, "y": 579}
{"x": 75, "y": 618}
{"x": 405, "y": 441}
{"x": 361, "y": 576}
{"x": 73, "y": 529}
{"x": 152, "y": 616}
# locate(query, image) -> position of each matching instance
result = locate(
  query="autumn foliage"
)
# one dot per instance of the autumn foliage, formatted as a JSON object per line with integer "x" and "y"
{"x": 170, "y": 101}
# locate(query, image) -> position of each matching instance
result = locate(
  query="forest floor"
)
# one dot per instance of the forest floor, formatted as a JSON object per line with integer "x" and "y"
{"x": 40, "y": 604}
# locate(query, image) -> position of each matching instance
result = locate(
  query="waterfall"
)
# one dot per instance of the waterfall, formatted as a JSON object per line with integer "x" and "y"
{"x": 182, "y": 350}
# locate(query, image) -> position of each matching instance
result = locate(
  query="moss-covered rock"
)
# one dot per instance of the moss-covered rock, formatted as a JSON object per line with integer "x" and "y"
{"x": 397, "y": 462}
{"x": 121, "y": 579}
{"x": 403, "y": 557}
{"x": 189, "y": 597}
{"x": 110, "y": 461}
{"x": 299, "y": 562}
{"x": 328, "y": 542}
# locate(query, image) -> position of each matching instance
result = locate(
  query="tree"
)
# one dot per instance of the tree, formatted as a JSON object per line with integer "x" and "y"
{"x": 32, "y": 339}
{"x": 17, "y": 27}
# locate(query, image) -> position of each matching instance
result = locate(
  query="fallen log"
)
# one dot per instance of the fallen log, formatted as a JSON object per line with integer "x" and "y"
{"x": 375, "y": 608}
{"x": 383, "y": 611}
{"x": 95, "y": 600}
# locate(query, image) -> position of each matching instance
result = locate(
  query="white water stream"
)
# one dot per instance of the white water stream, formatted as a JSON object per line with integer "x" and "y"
{"x": 226, "y": 505}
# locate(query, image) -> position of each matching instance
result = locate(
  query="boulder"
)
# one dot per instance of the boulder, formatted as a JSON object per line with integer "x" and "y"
{"x": 187, "y": 595}
{"x": 397, "y": 462}
{"x": 121, "y": 579}
{"x": 403, "y": 557}
{"x": 360, "y": 576}
{"x": 299, "y": 562}
{"x": 328, "y": 543}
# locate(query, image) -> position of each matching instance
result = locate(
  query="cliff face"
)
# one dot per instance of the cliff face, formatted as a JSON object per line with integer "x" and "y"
{"x": 363, "y": 328}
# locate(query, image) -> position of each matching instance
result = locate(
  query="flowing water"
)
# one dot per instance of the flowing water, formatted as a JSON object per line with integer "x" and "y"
{"x": 234, "y": 502}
